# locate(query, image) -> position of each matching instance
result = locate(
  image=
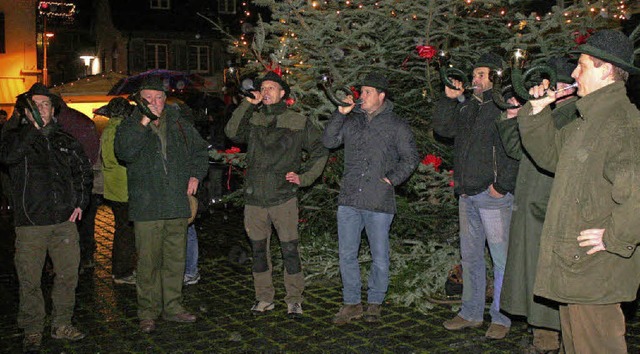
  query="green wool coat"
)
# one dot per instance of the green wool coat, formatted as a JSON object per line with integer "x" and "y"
{"x": 533, "y": 187}
{"x": 114, "y": 174}
{"x": 597, "y": 185}
{"x": 276, "y": 137}
{"x": 156, "y": 193}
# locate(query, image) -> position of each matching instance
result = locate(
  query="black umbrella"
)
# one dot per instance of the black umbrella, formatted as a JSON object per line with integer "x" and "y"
{"x": 174, "y": 81}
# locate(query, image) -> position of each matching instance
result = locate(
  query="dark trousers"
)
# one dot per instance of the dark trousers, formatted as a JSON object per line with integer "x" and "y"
{"x": 86, "y": 228}
{"x": 593, "y": 329}
{"x": 123, "y": 254}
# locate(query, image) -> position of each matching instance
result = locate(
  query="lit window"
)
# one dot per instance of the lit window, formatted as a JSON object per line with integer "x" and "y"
{"x": 199, "y": 58}
{"x": 157, "y": 56}
{"x": 227, "y": 7}
{"x": 160, "y": 4}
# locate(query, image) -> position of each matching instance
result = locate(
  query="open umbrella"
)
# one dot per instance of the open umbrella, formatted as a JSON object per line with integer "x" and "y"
{"x": 174, "y": 81}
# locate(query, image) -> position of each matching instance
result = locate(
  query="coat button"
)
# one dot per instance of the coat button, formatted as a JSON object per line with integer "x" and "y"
{"x": 630, "y": 248}
{"x": 576, "y": 257}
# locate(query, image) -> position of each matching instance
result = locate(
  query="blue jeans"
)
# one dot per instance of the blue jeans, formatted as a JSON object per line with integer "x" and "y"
{"x": 483, "y": 218}
{"x": 191, "y": 266}
{"x": 351, "y": 222}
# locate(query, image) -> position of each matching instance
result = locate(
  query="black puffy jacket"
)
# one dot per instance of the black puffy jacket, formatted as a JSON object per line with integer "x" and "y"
{"x": 50, "y": 174}
{"x": 479, "y": 157}
{"x": 375, "y": 149}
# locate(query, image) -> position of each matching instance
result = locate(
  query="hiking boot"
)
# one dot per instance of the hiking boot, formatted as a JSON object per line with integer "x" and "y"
{"x": 496, "y": 331}
{"x": 294, "y": 310}
{"x": 129, "y": 279}
{"x": 31, "y": 342}
{"x": 262, "y": 307}
{"x": 457, "y": 323}
{"x": 191, "y": 279}
{"x": 68, "y": 332}
{"x": 147, "y": 326}
{"x": 348, "y": 313}
{"x": 373, "y": 312}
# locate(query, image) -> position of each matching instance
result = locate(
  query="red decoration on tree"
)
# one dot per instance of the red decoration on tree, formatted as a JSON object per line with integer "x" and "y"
{"x": 432, "y": 160}
{"x": 355, "y": 92}
{"x": 275, "y": 68}
{"x": 290, "y": 101}
{"x": 581, "y": 38}
{"x": 232, "y": 150}
{"x": 451, "y": 182}
{"x": 426, "y": 51}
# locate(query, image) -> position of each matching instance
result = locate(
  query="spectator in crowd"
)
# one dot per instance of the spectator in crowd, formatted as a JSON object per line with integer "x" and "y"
{"x": 51, "y": 182}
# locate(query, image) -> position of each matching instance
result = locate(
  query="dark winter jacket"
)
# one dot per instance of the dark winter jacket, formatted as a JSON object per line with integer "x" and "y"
{"x": 373, "y": 149}
{"x": 50, "y": 174}
{"x": 158, "y": 187}
{"x": 479, "y": 157}
{"x": 276, "y": 137}
{"x": 596, "y": 186}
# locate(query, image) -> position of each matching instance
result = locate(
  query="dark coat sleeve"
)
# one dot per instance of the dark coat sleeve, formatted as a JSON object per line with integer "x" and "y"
{"x": 510, "y": 137}
{"x": 408, "y": 156}
{"x": 332, "y": 137}
{"x": 444, "y": 117}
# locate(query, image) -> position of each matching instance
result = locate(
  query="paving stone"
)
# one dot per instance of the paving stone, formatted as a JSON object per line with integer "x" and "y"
{"x": 222, "y": 299}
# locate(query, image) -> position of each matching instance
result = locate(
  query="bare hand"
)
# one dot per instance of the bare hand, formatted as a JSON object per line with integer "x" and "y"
{"x": 30, "y": 118}
{"x": 513, "y": 112}
{"x": 451, "y": 93}
{"x": 76, "y": 216}
{"x": 387, "y": 181}
{"x": 293, "y": 177}
{"x": 494, "y": 193}
{"x": 192, "y": 187}
{"x": 543, "y": 96}
{"x": 257, "y": 99}
{"x": 592, "y": 237}
{"x": 347, "y": 109}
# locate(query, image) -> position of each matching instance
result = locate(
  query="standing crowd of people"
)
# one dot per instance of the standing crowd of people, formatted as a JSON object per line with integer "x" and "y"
{"x": 550, "y": 185}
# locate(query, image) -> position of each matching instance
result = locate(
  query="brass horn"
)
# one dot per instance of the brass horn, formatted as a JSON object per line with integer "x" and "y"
{"x": 518, "y": 61}
{"x": 446, "y": 71}
{"x": 327, "y": 83}
{"x": 499, "y": 89}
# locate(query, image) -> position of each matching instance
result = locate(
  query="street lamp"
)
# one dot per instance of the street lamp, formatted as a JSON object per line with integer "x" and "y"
{"x": 45, "y": 70}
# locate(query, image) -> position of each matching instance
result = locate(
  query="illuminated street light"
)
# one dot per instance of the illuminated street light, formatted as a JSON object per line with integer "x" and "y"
{"x": 87, "y": 62}
{"x": 45, "y": 69}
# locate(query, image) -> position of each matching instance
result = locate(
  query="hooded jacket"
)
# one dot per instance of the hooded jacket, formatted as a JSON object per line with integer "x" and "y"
{"x": 479, "y": 156}
{"x": 50, "y": 174}
{"x": 596, "y": 186}
{"x": 275, "y": 138}
{"x": 375, "y": 148}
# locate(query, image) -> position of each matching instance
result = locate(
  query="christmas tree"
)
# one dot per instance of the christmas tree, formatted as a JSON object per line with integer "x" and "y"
{"x": 346, "y": 39}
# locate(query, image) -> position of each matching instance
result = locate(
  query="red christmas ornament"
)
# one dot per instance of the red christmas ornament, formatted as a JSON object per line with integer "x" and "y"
{"x": 290, "y": 101}
{"x": 355, "y": 92}
{"x": 433, "y": 160}
{"x": 232, "y": 150}
{"x": 581, "y": 38}
{"x": 426, "y": 51}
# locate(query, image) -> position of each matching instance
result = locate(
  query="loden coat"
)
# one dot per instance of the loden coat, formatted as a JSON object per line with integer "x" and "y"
{"x": 597, "y": 185}
{"x": 533, "y": 187}
{"x": 156, "y": 193}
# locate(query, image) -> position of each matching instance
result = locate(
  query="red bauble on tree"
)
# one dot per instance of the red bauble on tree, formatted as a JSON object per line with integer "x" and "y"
{"x": 426, "y": 51}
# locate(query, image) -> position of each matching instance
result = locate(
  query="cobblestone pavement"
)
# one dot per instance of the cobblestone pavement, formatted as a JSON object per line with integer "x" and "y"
{"x": 222, "y": 298}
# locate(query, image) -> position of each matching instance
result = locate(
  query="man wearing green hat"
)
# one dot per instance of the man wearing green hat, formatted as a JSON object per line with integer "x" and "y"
{"x": 276, "y": 137}
{"x": 166, "y": 159}
{"x": 533, "y": 187}
{"x": 588, "y": 260}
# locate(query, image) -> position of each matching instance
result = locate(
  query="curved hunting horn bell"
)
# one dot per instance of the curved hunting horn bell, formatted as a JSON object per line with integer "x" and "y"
{"x": 231, "y": 74}
{"x": 327, "y": 83}
{"x": 499, "y": 89}
{"x": 446, "y": 71}
{"x": 518, "y": 78}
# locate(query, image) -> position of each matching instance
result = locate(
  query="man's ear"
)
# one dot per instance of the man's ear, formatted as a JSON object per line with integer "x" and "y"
{"x": 282, "y": 92}
{"x": 607, "y": 71}
{"x": 384, "y": 95}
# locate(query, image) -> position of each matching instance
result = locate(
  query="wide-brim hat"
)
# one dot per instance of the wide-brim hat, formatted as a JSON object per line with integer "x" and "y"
{"x": 40, "y": 89}
{"x": 193, "y": 205}
{"x": 153, "y": 83}
{"x": 611, "y": 46}
{"x": 489, "y": 60}
{"x": 563, "y": 67}
{"x": 272, "y": 76}
{"x": 376, "y": 80}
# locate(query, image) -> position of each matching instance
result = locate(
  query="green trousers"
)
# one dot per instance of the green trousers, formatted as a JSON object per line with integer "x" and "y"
{"x": 258, "y": 222}
{"x": 593, "y": 329}
{"x": 161, "y": 247}
{"x": 32, "y": 245}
